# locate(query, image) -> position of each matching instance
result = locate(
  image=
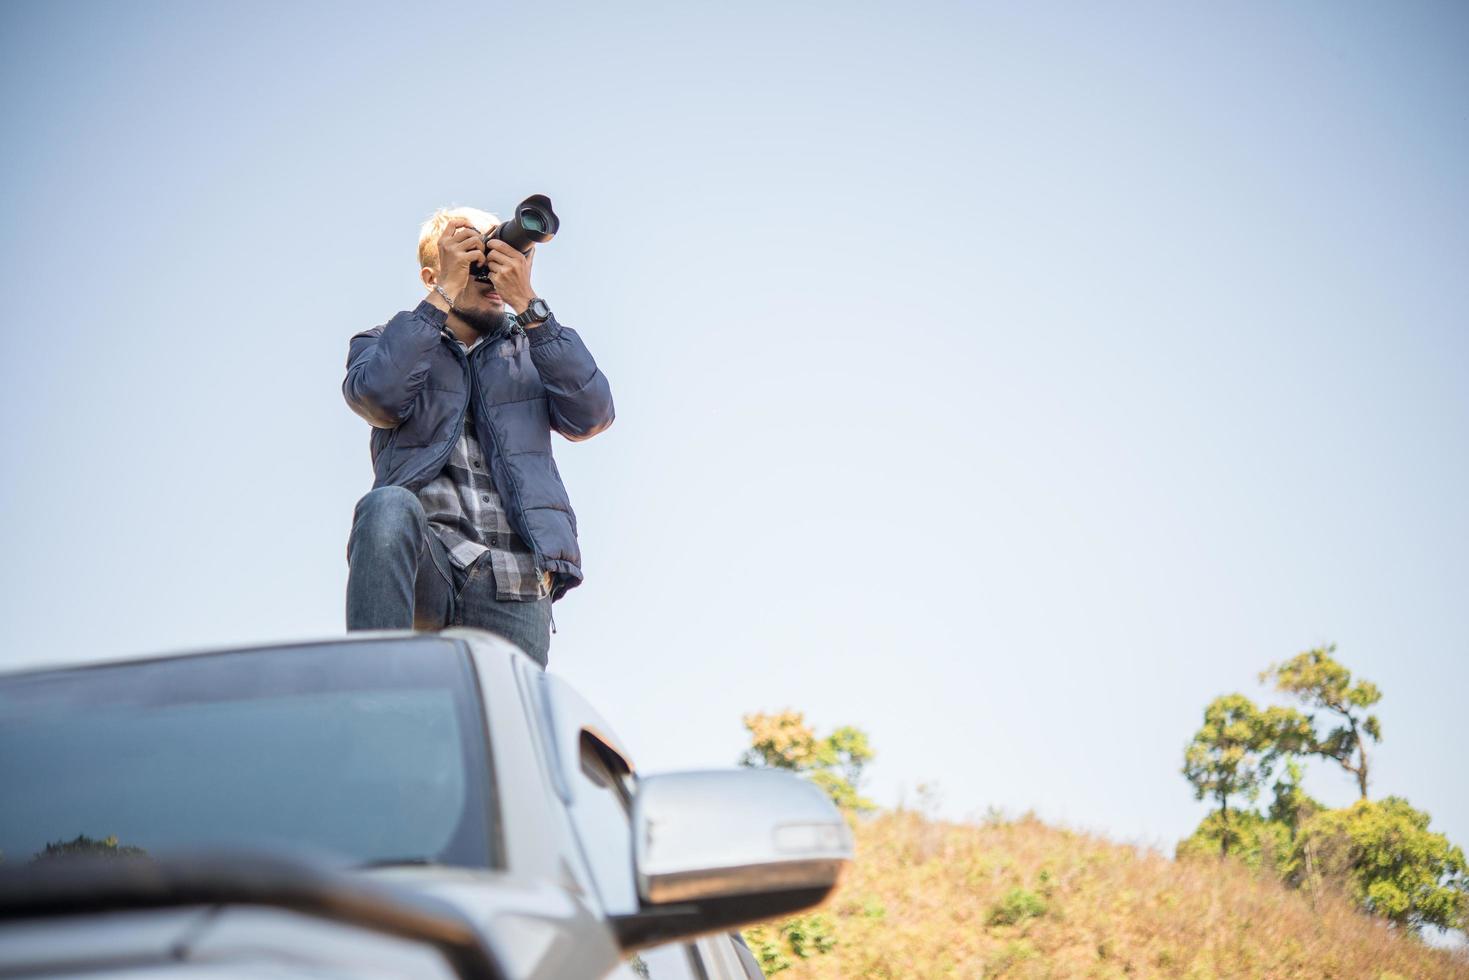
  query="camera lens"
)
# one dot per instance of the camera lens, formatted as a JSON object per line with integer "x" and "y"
{"x": 534, "y": 222}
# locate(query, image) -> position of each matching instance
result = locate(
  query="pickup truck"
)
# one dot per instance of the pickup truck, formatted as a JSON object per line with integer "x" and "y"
{"x": 391, "y": 804}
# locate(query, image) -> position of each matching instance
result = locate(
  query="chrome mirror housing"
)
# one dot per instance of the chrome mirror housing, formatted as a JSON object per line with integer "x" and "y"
{"x": 720, "y": 848}
{"x": 736, "y": 832}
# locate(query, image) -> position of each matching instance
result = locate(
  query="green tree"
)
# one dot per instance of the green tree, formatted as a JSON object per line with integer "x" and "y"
{"x": 1387, "y": 860}
{"x": 1259, "y": 841}
{"x": 1236, "y": 750}
{"x": 1292, "y": 805}
{"x": 784, "y": 741}
{"x": 1315, "y": 678}
{"x": 1256, "y": 841}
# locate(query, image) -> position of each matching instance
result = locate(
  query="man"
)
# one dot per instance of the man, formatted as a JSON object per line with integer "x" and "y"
{"x": 468, "y": 522}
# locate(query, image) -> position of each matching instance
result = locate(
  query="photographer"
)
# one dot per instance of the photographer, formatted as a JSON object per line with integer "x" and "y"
{"x": 468, "y": 523}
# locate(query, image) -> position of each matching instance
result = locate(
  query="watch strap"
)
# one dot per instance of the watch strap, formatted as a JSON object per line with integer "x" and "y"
{"x": 528, "y": 316}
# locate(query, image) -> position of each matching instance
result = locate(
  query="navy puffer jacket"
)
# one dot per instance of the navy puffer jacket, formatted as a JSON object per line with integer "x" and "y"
{"x": 414, "y": 385}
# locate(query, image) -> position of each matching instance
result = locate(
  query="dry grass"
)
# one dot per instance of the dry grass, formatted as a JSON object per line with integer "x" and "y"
{"x": 931, "y": 899}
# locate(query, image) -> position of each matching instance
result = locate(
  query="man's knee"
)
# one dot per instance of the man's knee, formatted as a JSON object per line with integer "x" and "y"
{"x": 386, "y": 517}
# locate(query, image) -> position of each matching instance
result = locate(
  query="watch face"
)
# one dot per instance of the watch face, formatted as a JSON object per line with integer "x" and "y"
{"x": 539, "y": 309}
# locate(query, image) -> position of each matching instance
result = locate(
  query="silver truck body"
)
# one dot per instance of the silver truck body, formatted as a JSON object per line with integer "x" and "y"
{"x": 598, "y": 871}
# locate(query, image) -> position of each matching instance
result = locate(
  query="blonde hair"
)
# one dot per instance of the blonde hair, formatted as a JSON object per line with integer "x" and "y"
{"x": 433, "y": 228}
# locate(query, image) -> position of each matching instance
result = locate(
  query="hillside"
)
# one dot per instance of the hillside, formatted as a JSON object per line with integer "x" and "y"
{"x": 1021, "y": 899}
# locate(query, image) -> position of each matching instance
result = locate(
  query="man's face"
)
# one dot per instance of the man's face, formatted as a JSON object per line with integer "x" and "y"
{"x": 480, "y": 306}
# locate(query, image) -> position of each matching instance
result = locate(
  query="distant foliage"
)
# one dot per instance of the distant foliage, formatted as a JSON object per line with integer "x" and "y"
{"x": 1262, "y": 842}
{"x": 1021, "y": 900}
{"x": 801, "y": 937}
{"x": 1387, "y": 860}
{"x": 1257, "y": 841}
{"x": 784, "y": 741}
{"x": 1315, "y": 678}
{"x": 1292, "y": 806}
{"x": 1381, "y": 856}
{"x": 1236, "y": 750}
{"x": 1017, "y": 905}
{"x": 84, "y": 846}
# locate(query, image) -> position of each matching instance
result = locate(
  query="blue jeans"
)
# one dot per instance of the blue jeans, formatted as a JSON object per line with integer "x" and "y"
{"x": 400, "y": 577}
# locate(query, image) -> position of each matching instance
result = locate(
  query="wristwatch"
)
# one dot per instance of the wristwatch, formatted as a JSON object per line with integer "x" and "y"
{"x": 535, "y": 311}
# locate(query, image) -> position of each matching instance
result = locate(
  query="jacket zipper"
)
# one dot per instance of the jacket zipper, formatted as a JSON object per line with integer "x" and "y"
{"x": 520, "y": 504}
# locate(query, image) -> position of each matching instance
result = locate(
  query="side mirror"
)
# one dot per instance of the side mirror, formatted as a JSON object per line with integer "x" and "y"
{"x": 717, "y": 849}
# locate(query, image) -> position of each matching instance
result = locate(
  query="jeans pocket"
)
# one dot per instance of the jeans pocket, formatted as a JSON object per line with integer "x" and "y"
{"x": 474, "y": 577}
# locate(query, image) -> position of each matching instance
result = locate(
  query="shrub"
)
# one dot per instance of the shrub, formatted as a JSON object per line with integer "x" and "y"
{"x": 1383, "y": 856}
{"x": 1016, "y": 906}
{"x": 797, "y": 938}
{"x": 1261, "y": 844}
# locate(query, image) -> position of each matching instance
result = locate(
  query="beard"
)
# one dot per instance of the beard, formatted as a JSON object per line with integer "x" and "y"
{"x": 482, "y": 321}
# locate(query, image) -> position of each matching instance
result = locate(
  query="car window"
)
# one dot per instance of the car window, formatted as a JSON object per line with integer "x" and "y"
{"x": 373, "y": 751}
{"x": 601, "y": 810}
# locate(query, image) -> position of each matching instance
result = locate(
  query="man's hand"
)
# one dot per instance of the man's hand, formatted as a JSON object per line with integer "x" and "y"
{"x": 460, "y": 246}
{"x": 510, "y": 272}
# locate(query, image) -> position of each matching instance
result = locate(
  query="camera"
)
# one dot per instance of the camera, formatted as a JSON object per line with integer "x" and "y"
{"x": 532, "y": 223}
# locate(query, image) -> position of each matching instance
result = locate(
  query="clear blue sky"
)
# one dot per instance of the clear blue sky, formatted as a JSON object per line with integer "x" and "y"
{"x": 1008, "y": 380}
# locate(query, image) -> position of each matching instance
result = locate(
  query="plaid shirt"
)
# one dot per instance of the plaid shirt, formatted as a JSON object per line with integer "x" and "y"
{"x": 464, "y": 510}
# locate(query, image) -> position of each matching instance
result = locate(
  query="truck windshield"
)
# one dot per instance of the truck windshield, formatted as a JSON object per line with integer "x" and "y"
{"x": 373, "y": 751}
